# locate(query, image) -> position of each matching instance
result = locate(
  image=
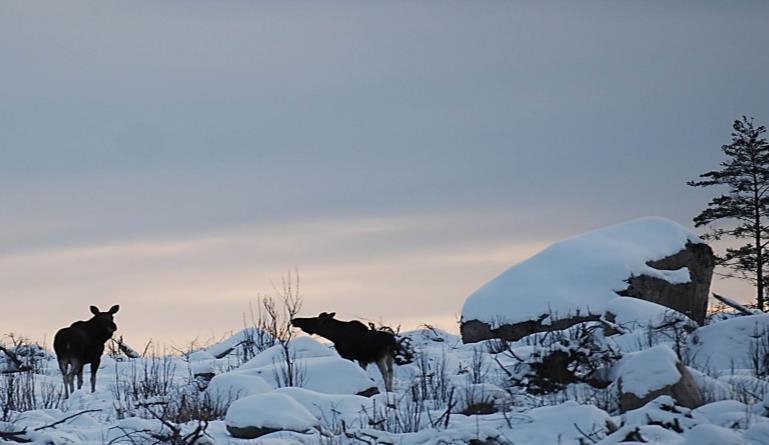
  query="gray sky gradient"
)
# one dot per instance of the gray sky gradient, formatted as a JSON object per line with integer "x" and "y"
{"x": 175, "y": 157}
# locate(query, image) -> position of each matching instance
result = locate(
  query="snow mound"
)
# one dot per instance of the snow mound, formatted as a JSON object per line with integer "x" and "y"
{"x": 326, "y": 407}
{"x": 199, "y": 356}
{"x": 248, "y": 336}
{"x": 328, "y": 375}
{"x": 635, "y": 313}
{"x": 271, "y": 411}
{"x": 712, "y": 435}
{"x": 580, "y": 274}
{"x": 298, "y": 348}
{"x": 225, "y": 388}
{"x": 728, "y": 344}
{"x": 644, "y": 372}
{"x": 560, "y": 424}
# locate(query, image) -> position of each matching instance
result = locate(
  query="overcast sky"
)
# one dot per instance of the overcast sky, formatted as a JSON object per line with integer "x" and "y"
{"x": 177, "y": 157}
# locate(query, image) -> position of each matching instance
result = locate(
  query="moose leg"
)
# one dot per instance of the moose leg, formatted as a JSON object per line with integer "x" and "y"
{"x": 63, "y": 365}
{"x": 74, "y": 368}
{"x": 383, "y": 370}
{"x": 94, "y": 368}
{"x": 80, "y": 376}
{"x": 389, "y": 359}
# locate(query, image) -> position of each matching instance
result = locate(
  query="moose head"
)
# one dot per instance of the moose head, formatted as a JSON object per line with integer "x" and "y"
{"x": 315, "y": 325}
{"x": 104, "y": 321}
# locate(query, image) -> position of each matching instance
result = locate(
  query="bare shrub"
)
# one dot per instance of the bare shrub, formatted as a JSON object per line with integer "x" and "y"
{"x": 276, "y": 321}
{"x": 23, "y": 391}
{"x": 575, "y": 355}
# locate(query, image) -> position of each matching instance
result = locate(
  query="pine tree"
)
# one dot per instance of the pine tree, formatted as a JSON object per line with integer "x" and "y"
{"x": 743, "y": 212}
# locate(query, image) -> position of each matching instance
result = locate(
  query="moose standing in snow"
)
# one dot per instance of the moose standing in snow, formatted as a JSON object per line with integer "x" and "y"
{"x": 83, "y": 342}
{"x": 353, "y": 340}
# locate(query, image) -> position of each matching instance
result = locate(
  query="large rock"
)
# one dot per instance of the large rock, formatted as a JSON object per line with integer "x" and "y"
{"x": 574, "y": 280}
{"x": 655, "y": 372}
{"x": 691, "y": 299}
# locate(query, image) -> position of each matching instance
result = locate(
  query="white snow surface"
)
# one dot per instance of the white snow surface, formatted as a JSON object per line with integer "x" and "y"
{"x": 274, "y": 410}
{"x": 580, "y": 274}
{"x": 330, "y": 375}
{"x": 231, "y": 386}
{"x": 712, "y": 435}
{"x": 299, "y": 348}
{"x": 728, "y": 344}
{"x": 637, "y": 312}
{"x": 649, "y": 370}
{"x": 326, "y": 407}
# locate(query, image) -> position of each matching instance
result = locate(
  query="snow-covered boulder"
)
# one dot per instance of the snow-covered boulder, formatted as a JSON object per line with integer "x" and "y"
{"x": 643, "y": 376}
{"x": 225, "y": 388}
{"x": 574, "y": 280}
{"x": 326, "y": 407}
{"x": 255, "y": 416}
{"x": 329, "y": 375}
{"x": 662, "y": 411}
{"x": 298, "y": 348}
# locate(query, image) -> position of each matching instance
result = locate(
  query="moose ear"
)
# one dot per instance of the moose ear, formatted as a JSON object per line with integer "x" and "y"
{"x": 331, "y": 315}
{"x": 113, "y": 310}
{"x": 94, "y": 310}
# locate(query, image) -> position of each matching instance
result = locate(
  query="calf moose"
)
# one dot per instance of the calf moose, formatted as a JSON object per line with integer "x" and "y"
{"x": 83, "y": 342}
{"x": 355, "y": 341}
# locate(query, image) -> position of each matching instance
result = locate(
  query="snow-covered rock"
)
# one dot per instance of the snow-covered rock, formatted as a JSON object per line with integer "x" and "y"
{"x": 225, "y": 388}
{"x": 329, "y": 375}
{"x": 643, "y": 376}
{"x": 298, "y": 348}
{"x": 330, "y": 408}
{"x": 257, "y": 415}
{"x": 576, "y": 279}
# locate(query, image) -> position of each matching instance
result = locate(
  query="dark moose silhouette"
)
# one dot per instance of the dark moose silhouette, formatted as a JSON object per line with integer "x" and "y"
{"x": 83, "y": 342}
{"x": 353, "y": 340}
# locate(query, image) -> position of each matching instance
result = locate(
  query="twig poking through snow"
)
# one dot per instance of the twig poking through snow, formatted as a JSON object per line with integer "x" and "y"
{"x": 733, "y": 304}
{"x": 125, "y": 349}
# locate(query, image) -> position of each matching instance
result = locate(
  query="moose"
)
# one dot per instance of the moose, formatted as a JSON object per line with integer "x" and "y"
{"x": 354, "y": 341}
{"x": 83, "y": 342}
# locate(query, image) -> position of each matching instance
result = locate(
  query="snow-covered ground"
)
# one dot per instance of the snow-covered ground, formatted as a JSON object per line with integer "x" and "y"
{"x": 651, "y": 376}
{"x": 450, "y": 393}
